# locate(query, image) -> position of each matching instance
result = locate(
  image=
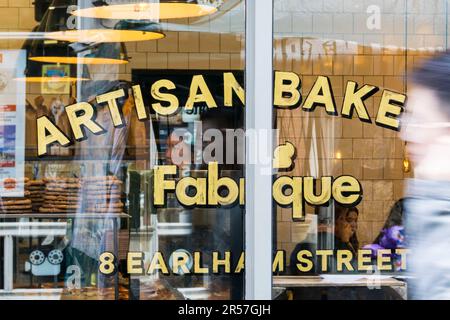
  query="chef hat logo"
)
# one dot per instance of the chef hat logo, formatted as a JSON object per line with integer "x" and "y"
{"x": 284, "y": 155}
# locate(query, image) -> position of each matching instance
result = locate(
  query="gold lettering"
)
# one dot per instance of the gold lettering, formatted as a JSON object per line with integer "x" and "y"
{"x": 364, "y": 256}
{"x": 231, "y": 85}
{"x": 160, "y": 185}
{"x": 214, "y": 184}
{"x": 305, "y": 264}
{"x": 286, "y": 91}
{"x": 180, "y": 259}
{"x": 324, "y": 254}
{"x": 325, "y": 194}
{"x": 198, "y": 269}
{"x": 82, "y": 115}
{"x": 156, "y": 93}
{"x": 295, "y": 198}
{"x": 157, "y": 263}
{"x": 135, "y": 264}
{"x": 139, "y": 103}
{"x": 198, "y": 83}
{"x": 349, "y": 186}
{"x": 279, "y": 261}
{"x": 200, "y": 191}
{"x": 391, "y": 106}
{"x": 344, "y": 258}
{"x": 241, "y": 191}
{"x": 221, "y": 262}
{"x": 354, "y": 100}
{"x": 384, "y": 260}
{"x": 321, "y": 94}
{"x": 402, "y": 253}
{"x": 44, "y": 140}
{"x": 111, "y": 99}
{"x": 240, "y": 264}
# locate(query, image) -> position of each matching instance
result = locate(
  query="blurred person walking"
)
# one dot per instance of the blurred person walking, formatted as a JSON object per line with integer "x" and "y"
{"x": 425, "y": 126}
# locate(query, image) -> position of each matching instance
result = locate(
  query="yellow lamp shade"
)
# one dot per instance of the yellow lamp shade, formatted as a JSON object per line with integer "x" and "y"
{"x": 104, "y": 35}
{"x": 79, "y": 44}
{"x": 168, "y": 9}
{"x": 36, "y": 72}
{"x": 77, "y": 60}
{"x": 50, "y": 79}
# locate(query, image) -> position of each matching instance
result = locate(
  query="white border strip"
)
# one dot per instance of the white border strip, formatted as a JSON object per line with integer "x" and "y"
{"x": 258, "y": 114}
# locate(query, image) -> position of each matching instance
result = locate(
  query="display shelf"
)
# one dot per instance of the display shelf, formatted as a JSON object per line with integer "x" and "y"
{"x": 142, "y": 154}
{"x": 50, "y": 158}
{"x": 31, "y": 294}
{"x": 351, "y": 280}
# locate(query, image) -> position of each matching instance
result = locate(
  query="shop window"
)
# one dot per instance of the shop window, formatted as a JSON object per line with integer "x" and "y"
{"x": 93, "y": 101}
{"x": 357, "y": 250}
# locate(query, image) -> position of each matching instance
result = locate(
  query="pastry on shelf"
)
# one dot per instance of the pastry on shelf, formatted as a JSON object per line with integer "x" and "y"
{"x": 103, "y": 194}
{"x": 10, "y": 203}
{"x": 37, "y": 190}
{"x": 62, "y": 195}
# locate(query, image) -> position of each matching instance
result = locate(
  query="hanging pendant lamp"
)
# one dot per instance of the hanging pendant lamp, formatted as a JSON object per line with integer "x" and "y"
{"x": 149, "y": 9}
{"x": 123, "y": 31}
{"x": 54, "y": 51}
{"x": 74, "y": 40}
{"x": 61, "y": 24}
{"x": 44, "y": 73}
{"x": 37, "y": 72}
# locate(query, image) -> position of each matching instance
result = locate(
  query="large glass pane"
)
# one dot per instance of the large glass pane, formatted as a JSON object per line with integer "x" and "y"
{"x": 336, "y": 250}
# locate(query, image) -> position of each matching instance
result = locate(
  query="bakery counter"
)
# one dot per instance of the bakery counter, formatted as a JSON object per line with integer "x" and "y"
{"x": 371, "y": 281}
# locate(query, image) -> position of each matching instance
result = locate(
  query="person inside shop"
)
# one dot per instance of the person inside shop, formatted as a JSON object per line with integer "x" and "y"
{"x": 343, "y": 235}
{"x": 391, "y": 236}
{"x": 425, "y": 126}
{"x": 179, "y": 149}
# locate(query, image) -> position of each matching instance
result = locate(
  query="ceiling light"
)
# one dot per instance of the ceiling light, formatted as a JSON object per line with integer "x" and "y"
{"x": 37, "y": 72}
{"x": 59, "y": 24}
{"x": 123, "y": 31}
{"x": 79, "y": 52}
{"x": 149, "y": 10}
{"x": 102, "y": 35}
